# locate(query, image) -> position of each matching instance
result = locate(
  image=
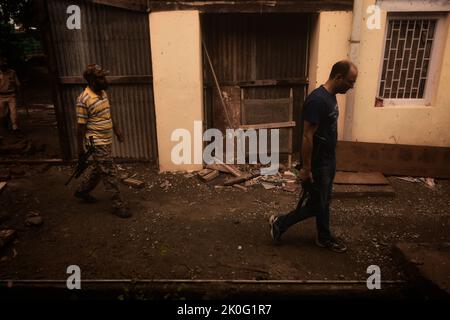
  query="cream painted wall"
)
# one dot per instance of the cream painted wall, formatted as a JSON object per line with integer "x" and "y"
{"x": 413, "y": 125}
{"x": 329, "y": 44}
{"x": 177, "y": 82}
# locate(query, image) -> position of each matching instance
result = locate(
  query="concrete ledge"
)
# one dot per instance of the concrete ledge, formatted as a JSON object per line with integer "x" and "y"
{"x": 357, "y": 191}
{"x": 427, "y": 267}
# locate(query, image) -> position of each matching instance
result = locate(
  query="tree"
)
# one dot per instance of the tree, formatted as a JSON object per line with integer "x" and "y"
{"x": 18, "y": 34}
{"x": 18, "y": 12}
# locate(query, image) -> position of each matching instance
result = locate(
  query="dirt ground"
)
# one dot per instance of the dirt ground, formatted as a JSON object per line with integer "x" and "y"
{"x": 183, "y": 228}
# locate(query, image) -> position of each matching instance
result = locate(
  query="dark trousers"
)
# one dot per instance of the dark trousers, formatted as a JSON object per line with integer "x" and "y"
{"x": 316, "y": 204}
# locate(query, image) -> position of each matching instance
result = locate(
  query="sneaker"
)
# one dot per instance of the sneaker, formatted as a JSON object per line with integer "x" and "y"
{"x": 333, "y": 244}
{"x": 122, "y": 213}
{"x": 86, "y": 197}
{"x": 275, "y": 231}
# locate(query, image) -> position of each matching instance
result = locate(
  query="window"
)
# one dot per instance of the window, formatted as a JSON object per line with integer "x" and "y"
{"x": 409, "y": 53}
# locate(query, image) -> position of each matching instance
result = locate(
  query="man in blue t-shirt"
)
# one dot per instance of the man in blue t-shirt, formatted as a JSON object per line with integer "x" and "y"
{"x": 320, "y": 115}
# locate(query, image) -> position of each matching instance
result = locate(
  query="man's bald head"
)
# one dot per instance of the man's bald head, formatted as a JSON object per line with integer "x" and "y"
{"x": 343, "y": 76}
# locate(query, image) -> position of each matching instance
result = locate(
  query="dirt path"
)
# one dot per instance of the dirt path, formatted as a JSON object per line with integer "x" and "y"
{"x": 194, "y": 231}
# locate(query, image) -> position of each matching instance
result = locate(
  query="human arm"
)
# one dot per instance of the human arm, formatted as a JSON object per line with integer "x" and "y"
{"x": 82, "y": 119}
{"x": 81, "y": 132}
{"x": 311, "y": 118}
{"x": 117, "y": 131}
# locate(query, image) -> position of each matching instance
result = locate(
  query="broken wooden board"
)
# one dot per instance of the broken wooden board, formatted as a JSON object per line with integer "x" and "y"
{"x": 211, "y": 176}
{"x": 291, "y": 187}
{"x": 226, "y": 168}
{"x": 204, "y": 172}
{"x": 232, "y": 181}
{"x": 238, "y": 186}
{"x": 233, "y": 170}
{"x": 134, "y": 183}
{"x": 358, "y": 191}
{"x": 2, "y": 186}
{"x": 218, "y": 167}
{"x": 363, "y": 178}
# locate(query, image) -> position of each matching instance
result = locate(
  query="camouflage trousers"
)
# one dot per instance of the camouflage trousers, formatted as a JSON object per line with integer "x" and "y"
{"x": 105, "y": 170}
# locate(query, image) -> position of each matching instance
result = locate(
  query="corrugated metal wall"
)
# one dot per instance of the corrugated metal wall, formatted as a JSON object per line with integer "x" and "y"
{"x": 250, "y": 47}
{"x": 257, "y": 46}
{"x": 119, "y": 40}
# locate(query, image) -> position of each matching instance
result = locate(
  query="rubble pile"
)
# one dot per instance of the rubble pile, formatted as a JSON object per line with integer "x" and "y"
{"x": 248, "y": 176}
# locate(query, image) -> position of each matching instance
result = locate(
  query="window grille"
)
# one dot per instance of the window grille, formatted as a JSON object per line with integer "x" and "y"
{"x": 406, "y": 58}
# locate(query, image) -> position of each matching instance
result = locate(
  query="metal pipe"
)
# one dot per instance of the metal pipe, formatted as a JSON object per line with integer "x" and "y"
{"x": 354, "y": 57}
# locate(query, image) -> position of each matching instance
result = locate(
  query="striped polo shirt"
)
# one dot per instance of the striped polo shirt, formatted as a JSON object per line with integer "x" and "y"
{"x": 94, "y": 111}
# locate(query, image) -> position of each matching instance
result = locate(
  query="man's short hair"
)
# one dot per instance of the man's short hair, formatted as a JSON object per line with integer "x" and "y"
{"x": 341, "y": 67}
{"x": 94, "y": 71}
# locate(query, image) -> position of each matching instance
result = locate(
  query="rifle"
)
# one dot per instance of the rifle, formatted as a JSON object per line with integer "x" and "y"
{"x": 305, "y": 193}
{"x": 83, "y": 163}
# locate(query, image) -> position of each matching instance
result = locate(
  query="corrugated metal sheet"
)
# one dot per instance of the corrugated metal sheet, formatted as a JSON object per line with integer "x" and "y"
{"x": 119, "y": 40}
{"x": 246, "y": 47}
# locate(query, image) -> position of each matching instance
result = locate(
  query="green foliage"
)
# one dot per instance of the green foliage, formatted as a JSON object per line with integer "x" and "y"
{"x": 18, "y": 36}
{"x": 19, "y": 12}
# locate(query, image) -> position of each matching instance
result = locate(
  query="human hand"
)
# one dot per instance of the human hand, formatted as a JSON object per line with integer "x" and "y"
{"x": 305, "y": 175}
{"x": 120, "y": 136}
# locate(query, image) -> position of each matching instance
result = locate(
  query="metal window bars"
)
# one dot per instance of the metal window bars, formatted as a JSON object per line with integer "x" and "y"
{"x": 406, "y": 58}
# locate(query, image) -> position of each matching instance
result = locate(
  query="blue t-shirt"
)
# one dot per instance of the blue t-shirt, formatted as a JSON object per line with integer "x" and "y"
{"x": 321, "y": 108}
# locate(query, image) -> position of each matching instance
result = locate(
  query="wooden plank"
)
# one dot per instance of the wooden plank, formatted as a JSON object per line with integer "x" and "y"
{"x": 139, "y": 5}
{"x": 204, "y": 172}
{"x": 233, "y": 105}
{"x": 134, "y": 183}
{"x": 233, "y": 170}
{"x": 248, "y": 6}
{"x": 367, "y": 178}
{"x": 358, "y": 191}
{"x": 266, "y": 110}
{"x": 394, "y": 159}
{"x": 261, "y": 103}
{"x": 237, "y": 180}
{"x": 211, "y": 176}
{"x": 238, "y": 186}
{"x": 288, "y": 124}
{"x": 274, "y": 82}
{"x": 288, "y": 82}
{"x": 226, "y": 168}
{"x": 2, "y": 186}
{"x": 110, "y": 79}
{"x": 218, "y": 167}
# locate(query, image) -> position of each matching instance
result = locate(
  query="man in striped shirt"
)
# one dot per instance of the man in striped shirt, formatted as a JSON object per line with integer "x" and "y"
{"x": 94, "y": 120}
{"x": 9, "y": 87}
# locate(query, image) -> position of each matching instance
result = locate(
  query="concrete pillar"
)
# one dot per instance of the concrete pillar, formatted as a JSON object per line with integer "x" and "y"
{"x": 177, "y": 84}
